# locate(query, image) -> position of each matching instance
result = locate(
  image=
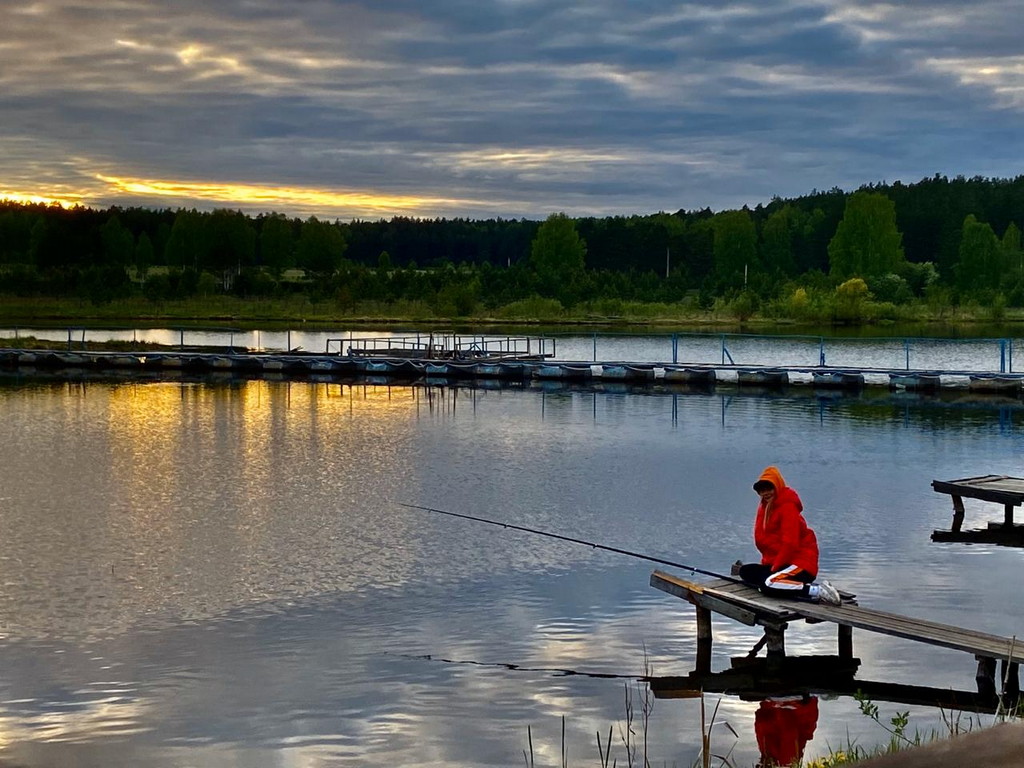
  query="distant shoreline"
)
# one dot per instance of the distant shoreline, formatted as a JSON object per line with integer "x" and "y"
{"x": 268, "y": 314}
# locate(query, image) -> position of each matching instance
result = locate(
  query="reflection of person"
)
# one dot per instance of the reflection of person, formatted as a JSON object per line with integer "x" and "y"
{"x": 788, "y": 546}
{"x": 783, "y": 727}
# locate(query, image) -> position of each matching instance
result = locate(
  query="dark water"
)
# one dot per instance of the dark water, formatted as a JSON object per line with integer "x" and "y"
{"x": 215, "y": 575}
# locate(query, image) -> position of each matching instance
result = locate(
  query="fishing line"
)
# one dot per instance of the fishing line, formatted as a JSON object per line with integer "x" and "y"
{"x": 554, "y": 671}
{"x": 572, "y": 540}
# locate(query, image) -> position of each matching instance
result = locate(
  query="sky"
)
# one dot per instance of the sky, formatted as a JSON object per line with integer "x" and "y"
{"x": 482, "y": 109}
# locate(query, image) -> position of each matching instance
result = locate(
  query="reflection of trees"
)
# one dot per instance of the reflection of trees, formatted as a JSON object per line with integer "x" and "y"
{"x": 899, "y": 410}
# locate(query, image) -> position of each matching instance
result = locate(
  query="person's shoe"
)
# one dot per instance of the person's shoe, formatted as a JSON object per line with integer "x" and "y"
{"x": 827, "y": 594}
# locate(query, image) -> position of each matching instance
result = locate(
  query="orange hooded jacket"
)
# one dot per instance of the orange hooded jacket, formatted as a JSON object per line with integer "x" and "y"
{"x": 781, "y": 534}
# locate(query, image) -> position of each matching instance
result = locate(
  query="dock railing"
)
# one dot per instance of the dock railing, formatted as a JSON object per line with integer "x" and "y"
{"x": 445, "y": 346}
{"x": 988, "y": 355}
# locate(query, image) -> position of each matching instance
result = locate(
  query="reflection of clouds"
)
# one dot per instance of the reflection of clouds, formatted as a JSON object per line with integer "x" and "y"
{"x": 266, "y": 591}
{"x": 184, "y": 501}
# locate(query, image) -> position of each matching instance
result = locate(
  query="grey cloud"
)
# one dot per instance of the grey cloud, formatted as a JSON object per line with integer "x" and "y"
{"x": 675, "y": 105}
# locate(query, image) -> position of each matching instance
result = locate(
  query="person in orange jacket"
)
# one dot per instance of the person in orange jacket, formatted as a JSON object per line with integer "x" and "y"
{"x": 788, "y": 546}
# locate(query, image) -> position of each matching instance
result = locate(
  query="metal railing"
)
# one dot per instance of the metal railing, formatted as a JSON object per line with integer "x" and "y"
{"x": 447, "y": 346}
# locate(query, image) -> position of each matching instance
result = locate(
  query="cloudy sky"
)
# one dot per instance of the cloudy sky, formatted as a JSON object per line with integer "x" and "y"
{"x": 512, "y": 108}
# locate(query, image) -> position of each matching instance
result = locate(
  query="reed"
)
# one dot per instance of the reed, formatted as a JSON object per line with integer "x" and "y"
{"x": 633, "y": 731}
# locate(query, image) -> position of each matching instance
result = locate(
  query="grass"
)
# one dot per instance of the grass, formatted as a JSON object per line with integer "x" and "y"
{"x": 299, "y": 309}
{"x": 632, "y": 742}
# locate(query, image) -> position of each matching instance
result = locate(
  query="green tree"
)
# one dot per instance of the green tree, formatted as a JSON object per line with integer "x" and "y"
{"x": 980, "y": 264}
{"x": 118, "y": 244}
{"x": 231, "y": 242}
{"x": 186, "y": 245}
{"x": 277, "y": 244}
{"x": 735, "y": 247}
{"x": 1013, "y": 255}
{"x": 867, "y": 242}
{"x": 777, "y": 240}
{"x": 557, "y": 255}
{"x": 321, "y": 247}
{"x": 144, "y": 255}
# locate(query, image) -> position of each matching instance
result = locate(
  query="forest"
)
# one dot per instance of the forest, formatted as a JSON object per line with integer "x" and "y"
{"x": 876, "y": 253}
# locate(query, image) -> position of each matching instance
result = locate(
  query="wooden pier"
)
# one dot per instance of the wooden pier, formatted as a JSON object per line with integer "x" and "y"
{"x": 999, "y": 489}
{"x": 745, "y": 604}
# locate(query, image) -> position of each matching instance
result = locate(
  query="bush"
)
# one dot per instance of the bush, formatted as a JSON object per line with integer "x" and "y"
{"x": 534, "y": 308}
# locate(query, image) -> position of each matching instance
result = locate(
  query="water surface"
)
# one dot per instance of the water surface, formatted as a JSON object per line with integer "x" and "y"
{"x": 224, "y": 574}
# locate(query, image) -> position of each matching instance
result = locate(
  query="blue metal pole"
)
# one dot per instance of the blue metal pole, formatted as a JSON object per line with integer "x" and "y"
{"x": 821, "y": 351}
{"x": 675, "y": 347}
{"x": 906, "y": 349}
{"x": 1002, "y": 355}
{"x": 595, "y": 347}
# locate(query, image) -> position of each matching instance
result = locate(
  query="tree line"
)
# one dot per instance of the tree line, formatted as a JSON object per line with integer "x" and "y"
{"x": 940, "y": 239}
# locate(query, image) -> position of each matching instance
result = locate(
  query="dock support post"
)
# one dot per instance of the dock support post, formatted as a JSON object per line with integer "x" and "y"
{"x": 845, "y": 641}
{"x": 703, "y": 640}
{"x": 985, "y": 677}
{"x": 776, "y": 641}
{"x": 958, "y": 514}
{"x": 1008, "y": 515}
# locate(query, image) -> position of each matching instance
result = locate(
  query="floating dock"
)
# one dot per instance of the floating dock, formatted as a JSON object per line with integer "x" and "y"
{"x": 745, "y": 604}
{"x": 513, "y": 364}
{"x": 999, "y": 489}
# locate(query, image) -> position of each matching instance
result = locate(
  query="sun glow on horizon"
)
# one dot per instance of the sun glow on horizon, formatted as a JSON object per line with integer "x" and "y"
{"x": 33, "y": 199}
{"x": 343, "y": 204}
{"x": 352, "y": 203}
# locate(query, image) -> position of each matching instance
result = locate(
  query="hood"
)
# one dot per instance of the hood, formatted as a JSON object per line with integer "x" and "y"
{"x": 773, "y": 476}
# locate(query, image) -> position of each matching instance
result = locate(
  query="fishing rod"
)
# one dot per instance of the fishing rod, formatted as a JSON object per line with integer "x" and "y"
{"x": 570, "y": 539}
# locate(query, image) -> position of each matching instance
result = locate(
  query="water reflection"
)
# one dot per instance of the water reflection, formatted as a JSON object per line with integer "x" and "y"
{"x": 782, "y": 726}
{"x": 221, "y": 573}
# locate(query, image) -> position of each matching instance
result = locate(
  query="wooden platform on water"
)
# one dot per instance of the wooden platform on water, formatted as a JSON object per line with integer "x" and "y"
{"x": 998, "y": 489}
{"x": 745, "y": 604}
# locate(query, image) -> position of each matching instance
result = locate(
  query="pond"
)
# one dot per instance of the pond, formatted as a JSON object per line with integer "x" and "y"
{"x": 203, "y": 574}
